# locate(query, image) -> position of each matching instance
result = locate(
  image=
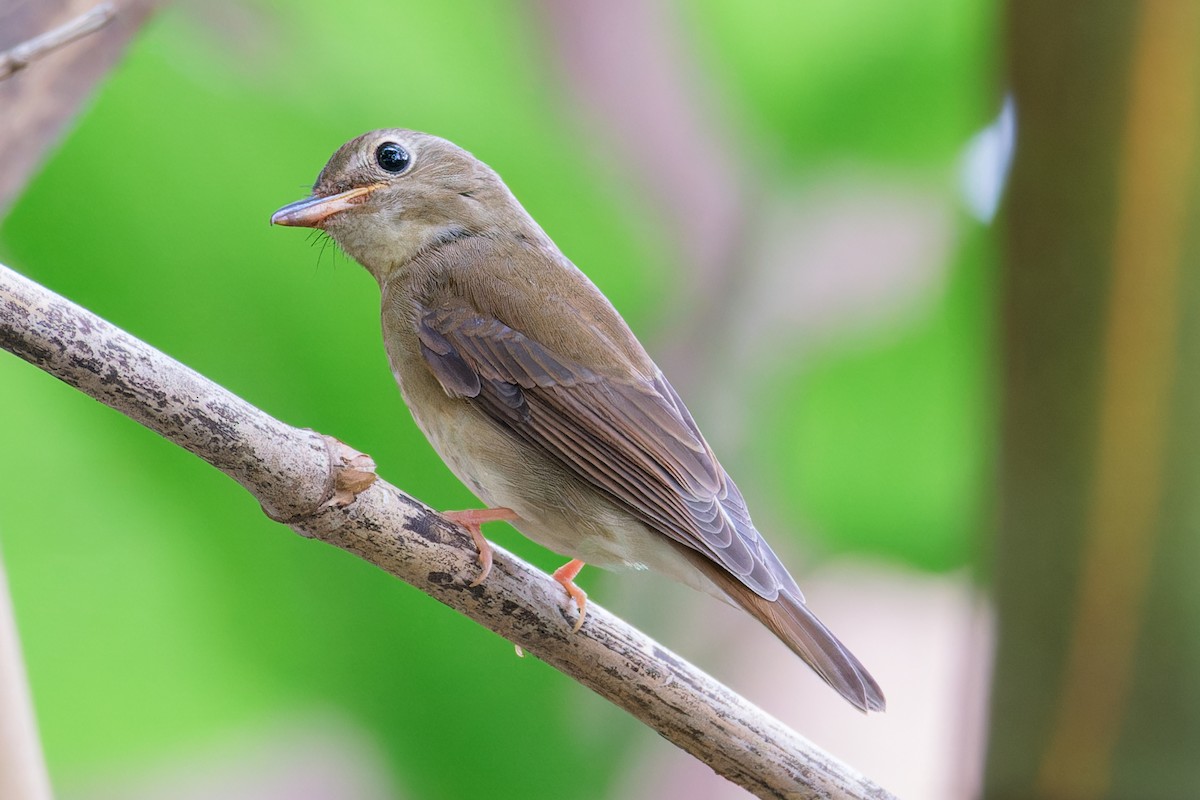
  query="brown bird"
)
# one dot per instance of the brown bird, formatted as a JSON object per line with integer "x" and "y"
{"x": 537, "y": 395}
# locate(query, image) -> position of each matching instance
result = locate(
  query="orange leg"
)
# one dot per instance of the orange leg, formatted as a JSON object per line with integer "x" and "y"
{"x": 472, "y": 520}
{"x": 566, "y": 576}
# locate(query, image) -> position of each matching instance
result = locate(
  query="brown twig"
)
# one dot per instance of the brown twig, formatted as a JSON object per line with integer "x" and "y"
{"x": 19, "y": 57}
{"x": 297, "y": 476}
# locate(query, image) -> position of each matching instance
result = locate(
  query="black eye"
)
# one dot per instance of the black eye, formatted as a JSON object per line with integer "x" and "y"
{"x": 392, "y": 157}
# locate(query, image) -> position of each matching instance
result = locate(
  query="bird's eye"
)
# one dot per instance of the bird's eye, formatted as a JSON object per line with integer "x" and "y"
{"x": 391, "y": 157}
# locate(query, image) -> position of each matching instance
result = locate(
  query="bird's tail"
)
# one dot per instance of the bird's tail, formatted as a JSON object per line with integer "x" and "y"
{"x": 791, "y": 620}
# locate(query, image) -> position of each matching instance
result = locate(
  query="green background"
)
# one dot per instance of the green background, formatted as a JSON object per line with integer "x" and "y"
{"x": 158, "y": 607}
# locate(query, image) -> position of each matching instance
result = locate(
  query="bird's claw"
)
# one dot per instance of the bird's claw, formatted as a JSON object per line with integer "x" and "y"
{"x": 566, "y": 575}
{"x": 473, "y": 520}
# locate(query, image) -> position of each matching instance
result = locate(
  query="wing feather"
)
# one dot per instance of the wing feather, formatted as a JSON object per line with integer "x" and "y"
{"x": 632, "y": 437}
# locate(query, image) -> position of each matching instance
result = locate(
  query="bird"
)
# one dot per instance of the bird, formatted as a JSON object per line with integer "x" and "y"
{"x": 538, "y": 396}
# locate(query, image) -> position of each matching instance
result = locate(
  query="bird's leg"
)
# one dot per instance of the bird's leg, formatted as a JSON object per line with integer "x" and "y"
{"x": 472, "y": 520}
{"x": 566, "y": 576}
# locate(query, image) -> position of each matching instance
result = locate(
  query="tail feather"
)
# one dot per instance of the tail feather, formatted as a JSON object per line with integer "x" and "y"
{"x": 792, "y": 621}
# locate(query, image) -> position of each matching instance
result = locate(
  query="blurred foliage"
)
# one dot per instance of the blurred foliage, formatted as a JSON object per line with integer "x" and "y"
{"x": 159, "y": 606}
{"x": 897, "y": 83}
{"x": 886, "y": 442}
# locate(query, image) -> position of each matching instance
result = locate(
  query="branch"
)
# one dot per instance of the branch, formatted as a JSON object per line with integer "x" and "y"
{"x": 20, "y": 56}
{"x": 39, "y": 103}
{"x": 314, "y": 485}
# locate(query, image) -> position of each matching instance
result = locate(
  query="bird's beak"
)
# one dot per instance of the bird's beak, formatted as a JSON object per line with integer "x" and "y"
{"x": 311, "y": 212}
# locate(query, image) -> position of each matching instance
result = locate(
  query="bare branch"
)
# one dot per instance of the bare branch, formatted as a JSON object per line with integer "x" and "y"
{"x": 296, "y": 474}
{"x": 20, "y": 56}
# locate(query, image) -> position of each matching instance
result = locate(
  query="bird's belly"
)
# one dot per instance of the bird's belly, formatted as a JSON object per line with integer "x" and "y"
{"x": 504, "y": 472}
{"x": 556, "y": 509}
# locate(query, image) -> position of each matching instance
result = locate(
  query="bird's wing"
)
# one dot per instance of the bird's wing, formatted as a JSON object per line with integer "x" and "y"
{"x": 631, "y": 437}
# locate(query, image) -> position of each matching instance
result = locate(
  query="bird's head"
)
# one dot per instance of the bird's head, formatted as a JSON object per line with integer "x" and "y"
{"x": 389, "y": 194}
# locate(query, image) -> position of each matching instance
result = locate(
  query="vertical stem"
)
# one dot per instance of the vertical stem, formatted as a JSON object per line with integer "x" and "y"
{"x": 1094, "y": 693}
{"x": 1140, "y": 360}
{"x": 22, "y": 768}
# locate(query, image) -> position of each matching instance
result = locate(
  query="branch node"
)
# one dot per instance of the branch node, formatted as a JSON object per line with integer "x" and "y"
{"x": 353, "y": 472}
{"x": 350, "y": 474}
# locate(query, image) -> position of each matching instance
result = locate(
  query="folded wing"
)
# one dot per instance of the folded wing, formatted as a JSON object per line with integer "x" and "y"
{"x": 633, "y": 438}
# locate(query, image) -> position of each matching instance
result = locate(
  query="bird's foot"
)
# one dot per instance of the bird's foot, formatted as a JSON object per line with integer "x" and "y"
{"x": 566, "y": 576}
{"x": 473, "y": 520}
